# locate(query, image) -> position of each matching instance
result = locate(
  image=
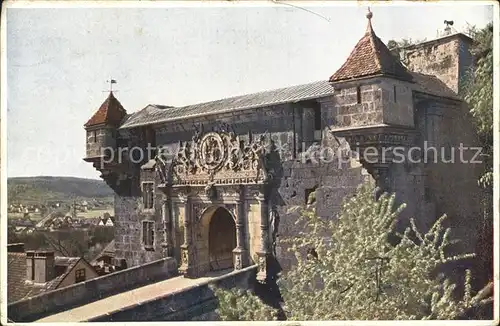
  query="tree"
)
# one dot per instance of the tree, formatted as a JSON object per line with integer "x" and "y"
{"x": 478, "y": 93}
{"x": 397, "y": 46}
{"x": 359, "y": 273}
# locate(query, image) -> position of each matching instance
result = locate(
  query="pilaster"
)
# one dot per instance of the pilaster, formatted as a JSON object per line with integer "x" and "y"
{"x": 240, "y": 253}
{"x": 263, "y": 253}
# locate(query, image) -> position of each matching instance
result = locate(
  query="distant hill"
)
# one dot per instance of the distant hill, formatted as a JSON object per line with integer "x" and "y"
{"x": 41, "y": 189}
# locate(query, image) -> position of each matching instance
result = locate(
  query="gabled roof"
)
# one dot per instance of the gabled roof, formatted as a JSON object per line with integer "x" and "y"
{"x": 109, "y": 250}
{"x": 111, "y": 113}
{"x": 159, "y": 113}
{"x": 19, "y": 288}
{"x": 370, "y": 57}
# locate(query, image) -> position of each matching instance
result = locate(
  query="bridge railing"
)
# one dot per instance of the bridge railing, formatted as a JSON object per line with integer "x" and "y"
{"x": 192, "y": 303}
{"x": 52, "y": 302}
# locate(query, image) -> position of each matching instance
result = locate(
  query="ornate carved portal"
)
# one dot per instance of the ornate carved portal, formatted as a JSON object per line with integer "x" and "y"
{"x": 218, "y": 174}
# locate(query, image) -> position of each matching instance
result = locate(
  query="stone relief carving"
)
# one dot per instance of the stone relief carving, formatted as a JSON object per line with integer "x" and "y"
{"x": 184, "y": 256}
{"x": 237, "y": 262}
{"x": 262, "y": 264}
{"x": 232, "y": 209}
{"x": 211, "y": 191}
{"x": 161, "y": 167}
{"x": 220, "y": 157}
{"x": 198, "y": 209}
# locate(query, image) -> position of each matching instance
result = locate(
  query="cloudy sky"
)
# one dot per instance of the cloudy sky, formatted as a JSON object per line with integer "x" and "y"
{"x": 58, "y": 61}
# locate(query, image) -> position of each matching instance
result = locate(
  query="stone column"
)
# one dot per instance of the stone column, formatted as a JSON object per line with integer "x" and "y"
{"x": 186, "y": 251}
{"x": 167, "y": 225}
{"x": 264, "y": 233}
{"x": 240, "y": 254}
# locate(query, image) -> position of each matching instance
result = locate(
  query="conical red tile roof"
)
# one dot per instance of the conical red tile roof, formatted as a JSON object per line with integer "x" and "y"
{"x": 111, "y": 112}
{"x": 370, "y": 57}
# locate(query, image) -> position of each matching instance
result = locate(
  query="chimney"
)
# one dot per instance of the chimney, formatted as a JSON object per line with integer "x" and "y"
{"x": 15, "y": 247}
{"x": 40, "y": 266}
{"x": 448, "y": 58}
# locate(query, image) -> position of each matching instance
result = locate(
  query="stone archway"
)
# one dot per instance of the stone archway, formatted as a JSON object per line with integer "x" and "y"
{"x": 221, "y": 239}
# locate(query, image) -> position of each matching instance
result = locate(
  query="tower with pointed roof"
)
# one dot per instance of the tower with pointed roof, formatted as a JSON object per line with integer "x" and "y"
{"x": 102, "y": 130}
{"x": 373, "y": 96}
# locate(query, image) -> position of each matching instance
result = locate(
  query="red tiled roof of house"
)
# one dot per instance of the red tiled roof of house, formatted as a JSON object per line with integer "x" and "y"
{"x": 19, "y": 288}
{"x": 111, "y": 112}
{"x": 370, "y": 57}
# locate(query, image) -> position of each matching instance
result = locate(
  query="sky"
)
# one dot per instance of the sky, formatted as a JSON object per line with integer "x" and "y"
{"x": 58, "y": 61}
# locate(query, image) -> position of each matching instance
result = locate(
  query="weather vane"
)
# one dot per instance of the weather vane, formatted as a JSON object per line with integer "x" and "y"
{"x": 111, "y": 81}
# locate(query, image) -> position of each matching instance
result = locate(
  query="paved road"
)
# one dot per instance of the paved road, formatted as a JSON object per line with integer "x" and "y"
{"x": 126, "y": 299}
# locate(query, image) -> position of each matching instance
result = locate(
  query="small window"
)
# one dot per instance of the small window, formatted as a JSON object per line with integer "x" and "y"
{"x": 92, "y": 137}
{"x": 80, "y": 275}
{"x": 148, "y": 195}
{"x": 307, "y": 194}
{"x": 148, "y": 234}
{"x": 394, "y": 93}
{"x": 317, "y": 118}
{"x": 358, "y": 94}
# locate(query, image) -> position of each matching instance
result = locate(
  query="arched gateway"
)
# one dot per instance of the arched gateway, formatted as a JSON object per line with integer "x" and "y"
{"x": 215, "y": 191}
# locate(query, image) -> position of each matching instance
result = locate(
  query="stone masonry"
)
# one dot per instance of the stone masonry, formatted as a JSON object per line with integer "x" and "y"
{"x": 373, "y": 100}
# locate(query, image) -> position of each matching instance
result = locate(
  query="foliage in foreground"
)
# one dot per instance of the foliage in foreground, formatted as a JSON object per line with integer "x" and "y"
{"x": 359, "y": 274}
{"x": 239, "y": 305}
{"x": 478, "y": 93}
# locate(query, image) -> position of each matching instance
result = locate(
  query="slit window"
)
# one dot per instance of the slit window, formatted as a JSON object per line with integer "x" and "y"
{"x": 394, "y": 93}
{"x": 148, "y": 195}
{"x": 358, "y": 95}
{"x": 317, "y": 117}
{"x": 148, "y": 234}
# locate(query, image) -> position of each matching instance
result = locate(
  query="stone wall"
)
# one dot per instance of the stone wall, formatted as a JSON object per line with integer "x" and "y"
{"x": 97, "y": 139}
{"x": 52, "y": 302}
{"x": 448, "y": 58}
{"x": 128, "y": 231}
{"x": 451, "y": 183}
{"x": 195, "y": 303}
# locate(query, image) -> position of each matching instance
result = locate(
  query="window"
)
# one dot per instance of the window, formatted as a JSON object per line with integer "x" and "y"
{"x": 148, "y": 234}
{"x": 317, "y": 118}
{"x": 307, "y": 194}
{"x": 394, "y": 93}
{"x": 358, "y": 94}
{"x": 148, "y": 195}
{"x": 92, "y": 137}
{"x": 80, "y": 275}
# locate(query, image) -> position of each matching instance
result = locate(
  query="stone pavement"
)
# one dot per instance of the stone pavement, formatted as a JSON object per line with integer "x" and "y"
{"x": 127, "y": 299}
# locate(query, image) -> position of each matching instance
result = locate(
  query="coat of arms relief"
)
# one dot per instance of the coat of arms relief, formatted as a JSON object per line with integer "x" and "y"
{"x": 219, "y": 157}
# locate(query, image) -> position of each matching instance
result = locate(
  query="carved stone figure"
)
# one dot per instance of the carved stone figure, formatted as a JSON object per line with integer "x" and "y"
{"x": 161, "y": 168}
{"x": 237, "y": 262}
{"x": 220, "y": 157}
{"x": 262, "y": 264}
{"x": 185, "y": 257}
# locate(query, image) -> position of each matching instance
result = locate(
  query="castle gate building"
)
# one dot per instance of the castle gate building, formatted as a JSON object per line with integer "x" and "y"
{"x": 211, "y": 183}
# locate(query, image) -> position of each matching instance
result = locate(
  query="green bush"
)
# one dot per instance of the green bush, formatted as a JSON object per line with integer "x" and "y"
{"x": 359, "y": 274}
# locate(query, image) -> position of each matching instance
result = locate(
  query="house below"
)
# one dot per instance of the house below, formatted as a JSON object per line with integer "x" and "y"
{"x": 34, "y": 272}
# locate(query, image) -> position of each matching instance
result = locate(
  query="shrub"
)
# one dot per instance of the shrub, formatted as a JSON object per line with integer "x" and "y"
{"x": 360, "y": 274}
